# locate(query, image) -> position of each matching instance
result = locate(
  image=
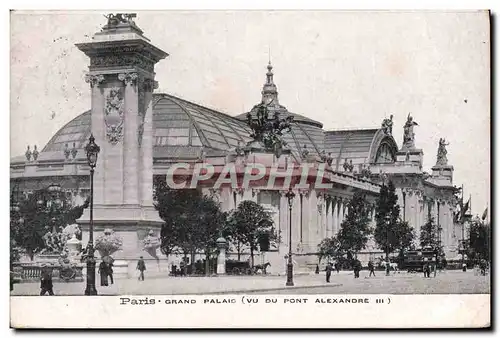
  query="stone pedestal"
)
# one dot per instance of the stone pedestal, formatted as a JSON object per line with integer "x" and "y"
{"x": 221, "y": 259}
{"x": 410, "y": 156}
{"x": 74, "y": 246}
{"x": 121, "y": 77}
{"x": 442, "y": 175}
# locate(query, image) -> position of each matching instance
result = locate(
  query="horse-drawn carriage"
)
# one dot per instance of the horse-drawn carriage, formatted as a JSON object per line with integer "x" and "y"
{"x": 234, "y": 267}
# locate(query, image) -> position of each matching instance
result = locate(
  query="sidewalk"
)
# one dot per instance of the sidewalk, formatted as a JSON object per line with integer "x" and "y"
{"x": 183, "y": 285}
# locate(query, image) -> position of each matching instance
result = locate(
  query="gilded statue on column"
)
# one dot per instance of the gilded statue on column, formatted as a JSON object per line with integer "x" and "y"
{"x": 442, "y": 152}
{"x": 409, "y": 135}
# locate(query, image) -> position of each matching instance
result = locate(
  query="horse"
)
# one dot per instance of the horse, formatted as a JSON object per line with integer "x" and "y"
{"x": 262, "y": 267}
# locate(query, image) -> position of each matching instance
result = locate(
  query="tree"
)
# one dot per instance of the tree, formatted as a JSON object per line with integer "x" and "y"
{"x": 248, "y": 223}
{"x": 391, "y": 233}
{"x": 329, "y": 248}
{"x": 479, "y": 240}
{"x": 32, "y": 221}
{"x": 429, "y": 236}
{"x": 355, "y": 229}
{"x": 193, "y": 221}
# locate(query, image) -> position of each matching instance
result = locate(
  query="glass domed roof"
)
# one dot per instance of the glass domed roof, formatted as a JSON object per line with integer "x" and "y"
{"x": 181, "y": 129}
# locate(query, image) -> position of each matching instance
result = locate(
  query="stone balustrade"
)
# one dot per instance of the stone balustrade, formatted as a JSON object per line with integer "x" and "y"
{"x": 31, "y": 272}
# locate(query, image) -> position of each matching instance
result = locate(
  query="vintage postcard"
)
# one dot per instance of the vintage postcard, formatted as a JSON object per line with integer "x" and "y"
{"x": 250, "y": 169}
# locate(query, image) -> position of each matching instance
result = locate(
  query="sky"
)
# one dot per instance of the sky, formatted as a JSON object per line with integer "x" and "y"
{"x": 348, "y": 70}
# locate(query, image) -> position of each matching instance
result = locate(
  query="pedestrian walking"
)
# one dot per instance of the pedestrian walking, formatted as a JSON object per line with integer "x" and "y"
{"x": 103, "y": 272}
{"x": 482, "y": 267}
{"x": 110, "y": 272}
{"x": 426, "y": 270}
{"x": 141, "y": 266}
{"x": 46, "y": 281}
{"x": 328, "y": 269}
{"x": 356, "y": 268}
{"x": 337, "y": 267}
{"x": 371, "y": 267}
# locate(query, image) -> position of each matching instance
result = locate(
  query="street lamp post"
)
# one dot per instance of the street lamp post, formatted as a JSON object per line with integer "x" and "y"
{"x": 55, "y": 202}
{"x": 289, "y": 272}
{"x": 387, "y": 261}
{"x": 92, "y": 150}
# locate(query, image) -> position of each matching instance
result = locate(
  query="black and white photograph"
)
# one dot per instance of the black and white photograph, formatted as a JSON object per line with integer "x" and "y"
{"x": 290, "y": 156}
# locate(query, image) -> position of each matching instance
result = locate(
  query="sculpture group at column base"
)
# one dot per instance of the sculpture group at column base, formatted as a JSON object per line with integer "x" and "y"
{"x": 132, "y": 225}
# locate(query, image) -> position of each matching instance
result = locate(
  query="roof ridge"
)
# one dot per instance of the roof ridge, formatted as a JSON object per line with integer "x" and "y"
{"x": 350, "y": 130}
{"x": 199, "y": 105}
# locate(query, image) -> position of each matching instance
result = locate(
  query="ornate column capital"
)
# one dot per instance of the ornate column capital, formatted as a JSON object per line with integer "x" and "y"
{"x": 149, "y": 85}
{"x": 304, "y": 193}
{"x": 128, "y": 78}
{"x": 215, "y": 192}
{"x": 94, "y": 79}
{"x": 240, "y": 191}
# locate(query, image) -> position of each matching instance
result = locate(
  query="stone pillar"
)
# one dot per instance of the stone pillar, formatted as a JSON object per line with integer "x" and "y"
{"x": 221, "y": 258}
{"x": 341, "y": 213}
{"x": 329, "y": 218}
{"x": 121, "y": 65}
{"x": 284, "y": 219}
{"x": 97, "y": 125}
{"x": 306, "y": 211}
{"x": 131, "y": 165}
{"x": 296, "y": 219}
{"x": 146, "y": 140}
{"x": 335, "y": 216}
{"x": 313, "y": 221}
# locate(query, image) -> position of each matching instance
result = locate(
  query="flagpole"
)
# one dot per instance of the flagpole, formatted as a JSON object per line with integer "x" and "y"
{"x": 470, "y": 204}
{"x": 463, "y": 227}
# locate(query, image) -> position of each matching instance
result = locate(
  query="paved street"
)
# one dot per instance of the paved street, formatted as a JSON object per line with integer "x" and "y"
{"x": 403, "y": 283}
{"x": 454, "y": 282}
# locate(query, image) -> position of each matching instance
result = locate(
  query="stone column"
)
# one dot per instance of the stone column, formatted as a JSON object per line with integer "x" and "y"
{"x": 146, "y": 140}
{"x": 329, "y": 218}
{"x": 313, "y": 221}
{"x": 221, "y": 258}
{"x": 306, "y": 216}
{"x": 341, "y": 213}
{"x": 97, "y": 83}
{"x": 131, "y": 167}
{"x": 296, "y": 219}
{"x": 335, "y": 216}
{"x": 284, "y": 219}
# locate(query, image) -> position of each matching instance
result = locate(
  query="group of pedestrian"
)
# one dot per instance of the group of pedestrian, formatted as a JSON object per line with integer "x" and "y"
{"x": 356, "y": 267}
{"x": 371, "y": 267}
{"x": 106, "y": 270}
{"x": 429, "y": 268}
{"x": 46, "y": 285}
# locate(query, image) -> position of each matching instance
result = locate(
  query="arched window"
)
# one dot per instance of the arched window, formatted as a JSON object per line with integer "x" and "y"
{"x": 384, "y": 154}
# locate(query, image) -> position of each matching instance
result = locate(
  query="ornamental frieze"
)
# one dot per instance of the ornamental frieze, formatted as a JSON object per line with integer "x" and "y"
{"x": 113, "y": 115}
{"x": 94, "y": 79}
{"x": 117, "y": 60}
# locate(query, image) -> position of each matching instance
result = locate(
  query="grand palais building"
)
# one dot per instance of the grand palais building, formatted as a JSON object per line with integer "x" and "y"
{"x": 158, "y": 130}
